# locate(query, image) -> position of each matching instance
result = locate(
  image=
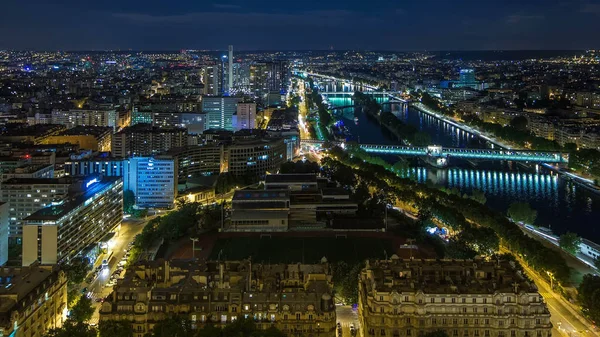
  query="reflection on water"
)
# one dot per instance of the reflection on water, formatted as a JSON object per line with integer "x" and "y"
{"x": 561, "y": 205}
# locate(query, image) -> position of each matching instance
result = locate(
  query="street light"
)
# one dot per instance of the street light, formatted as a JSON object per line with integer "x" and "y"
{"x": 551, "y": 279}
{"x": 194, "y": 240}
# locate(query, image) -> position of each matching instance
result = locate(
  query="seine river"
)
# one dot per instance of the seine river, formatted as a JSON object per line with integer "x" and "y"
{"x": 560, "y": 204}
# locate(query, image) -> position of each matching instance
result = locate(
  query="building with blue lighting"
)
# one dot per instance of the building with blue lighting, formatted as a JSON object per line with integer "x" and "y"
{"x": 68, "y": 226}
{"x": 153, "y": 180}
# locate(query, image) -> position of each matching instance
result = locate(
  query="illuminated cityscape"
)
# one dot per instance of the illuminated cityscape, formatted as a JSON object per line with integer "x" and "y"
{"x": 300, "y": 169}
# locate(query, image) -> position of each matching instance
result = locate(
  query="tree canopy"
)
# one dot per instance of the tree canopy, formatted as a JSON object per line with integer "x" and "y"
{"x": 115, "y": 329}
{"x": 522, "y": 212}
{"x": 82, "y": 311}
{"x": 570, "y": 242}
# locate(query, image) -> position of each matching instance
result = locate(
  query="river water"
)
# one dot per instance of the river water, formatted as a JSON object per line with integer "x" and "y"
{"x": 560, "y": 204}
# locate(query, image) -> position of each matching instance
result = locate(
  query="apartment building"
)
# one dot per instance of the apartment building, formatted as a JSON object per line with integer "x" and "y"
{"x": 295, "y": 298}
{"x": 147, "y": 140}
{"x": 471, "y": 298}
{"x": 254, "y": 157}
{"x": 34, "y": 300}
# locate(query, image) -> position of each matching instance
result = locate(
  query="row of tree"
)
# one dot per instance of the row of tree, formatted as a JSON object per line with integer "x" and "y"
{"x": 451, "y": 210}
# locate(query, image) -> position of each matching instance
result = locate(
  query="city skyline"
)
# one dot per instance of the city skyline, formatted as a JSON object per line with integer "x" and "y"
{"x": 270, "y": 25}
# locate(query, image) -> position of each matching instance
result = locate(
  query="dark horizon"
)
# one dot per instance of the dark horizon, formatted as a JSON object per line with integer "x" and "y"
{"x": 275, "y": 25}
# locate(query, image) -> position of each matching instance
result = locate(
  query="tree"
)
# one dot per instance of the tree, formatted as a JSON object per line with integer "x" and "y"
{"x": 83, "y": 310}
{"x": 570, "y": 242}
{"x": 519, "y": 123}
{"x": 588, "y": 295}
{"x": 478, "y": 196}
{"x": 115, "y": 329}
{"x": 76, "y": 269}
{"x": 72, "y": 329}
{"x": 172, "y": 327}
{"x": 483, "y": 240}
{"x": 128, "y": 201}
{"x": 522, "y": 212}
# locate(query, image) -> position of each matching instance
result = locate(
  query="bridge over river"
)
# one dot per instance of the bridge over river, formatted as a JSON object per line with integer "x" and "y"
{"x": 443, "y": 153}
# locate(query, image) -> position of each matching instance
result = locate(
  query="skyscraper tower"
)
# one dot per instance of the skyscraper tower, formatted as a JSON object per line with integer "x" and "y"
{"x": 230, "y": 69}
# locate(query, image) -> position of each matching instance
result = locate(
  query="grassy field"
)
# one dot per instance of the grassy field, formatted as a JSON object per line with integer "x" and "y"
{"x": 299, "y": 249}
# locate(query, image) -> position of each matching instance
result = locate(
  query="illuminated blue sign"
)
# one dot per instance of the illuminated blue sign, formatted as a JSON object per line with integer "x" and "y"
{"x": 91, "y": 182}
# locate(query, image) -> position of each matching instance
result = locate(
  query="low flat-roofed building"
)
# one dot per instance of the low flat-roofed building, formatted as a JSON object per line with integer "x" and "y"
{"x": 467, "y": 298}
{"x": 295, "y": 298}
{"x": 29, "y": 171}
{"x": 297, "y": 196}
{"x": 33, "y": 299}
{"x": 95, "y": 138}
{"x": 290, "y": 181}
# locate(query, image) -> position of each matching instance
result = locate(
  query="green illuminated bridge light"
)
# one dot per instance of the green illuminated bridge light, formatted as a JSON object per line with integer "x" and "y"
{"x": 475, "y": 154}
{"x": 485, "y": 154}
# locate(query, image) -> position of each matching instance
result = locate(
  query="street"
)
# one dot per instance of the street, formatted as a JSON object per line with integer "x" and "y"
{"x": 347, "y": 317}
{"x": 565, "y": 322}
{"x": 129, "y": 229}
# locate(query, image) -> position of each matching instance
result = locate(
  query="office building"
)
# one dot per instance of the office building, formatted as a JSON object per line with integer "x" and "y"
{"x": 471, "y": 298}
{"x": 3, "y": 232}
{"x": 11, "y": 162}
{"x": 153, "y": 180}
{"x": 295, "y": 298}
{"x": 467, "y": 79}
{"x": 199, "y": 161}
{"x": 25, "y": 196}
{"x": 212, "y": 80}
{"x": 147, "y": 140}
{"x": 192, "y": 121}
{"x": 95, "y": 138}
{"x": 245, "y": 116}
{"x": 268, "y": 77}
{"x": 34, "y": 300}
{"x": 219, "y": 112}
{"x": 65, "y": 228}
{"x": 255, "y": 157}
{"x": 230, "y": 69}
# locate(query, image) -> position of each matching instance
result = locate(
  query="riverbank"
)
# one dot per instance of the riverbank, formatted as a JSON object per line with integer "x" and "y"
{"x": 579, "y": 180}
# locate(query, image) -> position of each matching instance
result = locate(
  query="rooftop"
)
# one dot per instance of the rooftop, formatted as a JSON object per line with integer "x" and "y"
{"x": 261, "y": 195}
{"x": 86, "y": 131}
{"x": 96, "y": 186}
{"x": 290, "y": 178}
{"x": 444, "y": 276}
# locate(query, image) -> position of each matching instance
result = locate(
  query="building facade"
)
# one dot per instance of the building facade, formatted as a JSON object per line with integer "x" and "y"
{"x": 254, "y": 157}
{"x": 84, "y": 117}
{"x": 147, "y": 140}
{"x": 153, "y": 181}
{"x": 462, "y": 297}
{"x": 246, "y": 116}
{"x": 26, "y": 196}
{"x": 219, "y": 112}
{"x": 64, "y": 229}
{"x": 34, "y": 300}
{"x": 3, "y": 232}
{"x": 196, "y": 161}
{"x": 296, "y": 299}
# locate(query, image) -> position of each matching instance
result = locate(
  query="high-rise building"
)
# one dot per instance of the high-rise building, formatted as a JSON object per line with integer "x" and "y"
{"x": 462, "y": 297}
{"x": 268, "y": 77}
{"x": 61, "y": 231}
{"x": 3, "y": 233}
{"x": 153, "y": 180}
{"x": 295, "y": 298}
{"x": 34, "y": 300}
{"x": 219, "y": 112}
{"x": 212, "y": 80}
{"x": 230, "y": 70}
{"x": 25, "y": 196}
{"x": 245, "y": 116}
{"x": 147, "y": 140}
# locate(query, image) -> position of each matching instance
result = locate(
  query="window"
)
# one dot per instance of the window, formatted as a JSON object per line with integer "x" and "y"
{"x": 405, "y": 298}
{"x": 465, "y": 321}
{"x": 381, "y": 298}
{"x": 408, "y": 332}
{"x": 464, "y": 300}
{"x": 453, "y": 300}
{"x": 476, "y": 333}
{"x": 382, "y": 332}
{"x": 513, "y": 333}
{"x": 443, "y": 300}
{"x": 474, "y": 300}
{"x": 297, "y": 317}
{"x": 381, "y": 310}
{"x": 432, "y": 300}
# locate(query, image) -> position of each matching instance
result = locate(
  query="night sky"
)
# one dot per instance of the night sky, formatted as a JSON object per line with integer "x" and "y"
{"x": 299, "y": 25}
